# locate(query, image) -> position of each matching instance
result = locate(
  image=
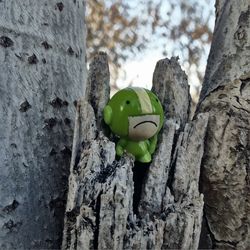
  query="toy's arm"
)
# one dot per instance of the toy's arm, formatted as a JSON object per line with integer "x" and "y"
{"x": 152, "y": 144}
{"x": 120, "y": 147}
{"x": 107, "y": 114}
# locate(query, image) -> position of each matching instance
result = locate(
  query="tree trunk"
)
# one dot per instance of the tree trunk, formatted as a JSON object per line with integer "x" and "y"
{"x": 225, "y": 95}
{"x": 120, "y": 204}
{"x": 42, "y": 62}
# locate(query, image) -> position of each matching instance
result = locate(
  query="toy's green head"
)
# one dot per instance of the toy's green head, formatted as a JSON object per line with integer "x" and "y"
{"x": 134, "y": 113}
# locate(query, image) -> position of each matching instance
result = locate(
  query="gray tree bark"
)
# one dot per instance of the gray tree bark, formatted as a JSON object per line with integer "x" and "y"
{"x": 225, "y": 95}
{"x": 42, "y": 70}
{"x": 119, "y": 204}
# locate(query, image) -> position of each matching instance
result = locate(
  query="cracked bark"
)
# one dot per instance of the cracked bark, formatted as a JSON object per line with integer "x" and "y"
{"x": 103, "y": 211}
{"x": 225, "y": 95}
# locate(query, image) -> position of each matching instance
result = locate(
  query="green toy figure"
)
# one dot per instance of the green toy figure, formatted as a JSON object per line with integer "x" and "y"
{"x": 136, "y": 116}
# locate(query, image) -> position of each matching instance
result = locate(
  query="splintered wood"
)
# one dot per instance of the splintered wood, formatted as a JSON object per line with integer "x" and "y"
{"x": 100, "y": 213}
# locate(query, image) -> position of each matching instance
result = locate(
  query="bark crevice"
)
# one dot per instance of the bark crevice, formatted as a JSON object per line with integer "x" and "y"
{"x": 97, "y": 214}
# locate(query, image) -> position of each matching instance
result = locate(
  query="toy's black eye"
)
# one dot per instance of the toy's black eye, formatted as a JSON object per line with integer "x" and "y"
{"x": 127, "y": 102}
{"x": 156, "y": 99}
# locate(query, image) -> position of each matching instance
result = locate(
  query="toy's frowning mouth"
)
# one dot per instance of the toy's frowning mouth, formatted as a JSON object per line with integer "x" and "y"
{"x": 143, "y": 127}
{"x": 145, "y": 122}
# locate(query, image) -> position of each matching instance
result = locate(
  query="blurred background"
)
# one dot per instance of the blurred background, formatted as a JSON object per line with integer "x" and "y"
{"x": 136, "y": 34}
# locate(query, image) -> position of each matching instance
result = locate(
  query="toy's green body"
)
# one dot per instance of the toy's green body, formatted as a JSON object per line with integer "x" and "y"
{"x": 136, "y": 116}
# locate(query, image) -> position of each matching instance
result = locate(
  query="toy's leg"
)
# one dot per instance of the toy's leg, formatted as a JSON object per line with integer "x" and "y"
{"x": 145, "y": 158}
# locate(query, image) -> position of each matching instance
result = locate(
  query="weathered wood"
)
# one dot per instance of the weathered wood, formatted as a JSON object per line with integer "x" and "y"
{"x": 42, "y": 73}
{"x": 98, "y": 184}
{"x": 170, "y": 83}
{"x": 101, "y": 211}
{"x": 98, "y": 88}
{"x": 225, "y": 95}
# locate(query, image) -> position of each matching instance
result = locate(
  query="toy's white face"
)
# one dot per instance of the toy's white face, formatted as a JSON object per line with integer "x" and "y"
{"x": 143, "y": 127}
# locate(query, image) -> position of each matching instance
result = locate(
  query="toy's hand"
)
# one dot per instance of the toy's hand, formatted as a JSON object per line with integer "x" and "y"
{"x": 119, "y": 150}
{"x": 120, "y": 147}
{"x": 152, "y": 144}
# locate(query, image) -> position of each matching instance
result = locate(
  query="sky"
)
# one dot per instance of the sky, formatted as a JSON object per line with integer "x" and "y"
{"x": 138, "y": 71}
